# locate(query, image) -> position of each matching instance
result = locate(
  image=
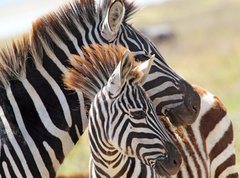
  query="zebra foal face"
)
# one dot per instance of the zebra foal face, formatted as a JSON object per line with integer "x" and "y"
{"x": 171, "y": 94}
{"x": 123, "y": 125}
{"x": 133, "y": 128}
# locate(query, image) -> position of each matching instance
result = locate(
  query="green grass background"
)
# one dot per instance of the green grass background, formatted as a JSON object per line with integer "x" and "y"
{"x": 205, "y": 51}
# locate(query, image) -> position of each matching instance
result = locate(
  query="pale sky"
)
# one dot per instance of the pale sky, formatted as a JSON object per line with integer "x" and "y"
{"x": 16, "y": 16}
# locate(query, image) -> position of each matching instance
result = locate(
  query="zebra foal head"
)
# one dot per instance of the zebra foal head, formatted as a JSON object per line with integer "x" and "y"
{"x": 123, "y": 126}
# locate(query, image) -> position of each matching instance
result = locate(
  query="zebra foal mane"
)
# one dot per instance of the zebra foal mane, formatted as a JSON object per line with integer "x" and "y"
{"x": 91, "y": 74}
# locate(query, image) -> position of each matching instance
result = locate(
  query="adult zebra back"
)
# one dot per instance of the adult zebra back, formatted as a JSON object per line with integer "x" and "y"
{"x": 40, "y": 120}
{"x": 127, "y": 138}
{"x": 207, "y": 146}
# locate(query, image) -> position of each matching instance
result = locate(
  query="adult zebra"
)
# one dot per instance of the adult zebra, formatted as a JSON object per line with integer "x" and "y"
{"x": 207, "y": 145}
{"x": 127, "y": 138}
{"x": 40, "y": 120}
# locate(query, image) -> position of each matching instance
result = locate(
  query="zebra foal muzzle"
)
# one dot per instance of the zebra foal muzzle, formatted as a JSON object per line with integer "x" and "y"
{"x": 169, "y": 165}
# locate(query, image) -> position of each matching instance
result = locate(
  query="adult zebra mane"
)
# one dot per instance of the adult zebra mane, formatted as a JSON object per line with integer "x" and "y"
{"x": 13, "y": 58}
{"x": 15, "y": 53}
{"x": 91, "y": 74}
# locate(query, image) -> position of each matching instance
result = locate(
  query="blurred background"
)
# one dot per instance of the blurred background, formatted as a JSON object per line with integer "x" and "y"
{"x": 199, "y": 39}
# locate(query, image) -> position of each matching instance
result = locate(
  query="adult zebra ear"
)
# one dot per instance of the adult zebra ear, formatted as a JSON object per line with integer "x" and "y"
{"x": 144, "y": 68}
{"x": 121, "y": 72}
{"x": 113, "y": 20}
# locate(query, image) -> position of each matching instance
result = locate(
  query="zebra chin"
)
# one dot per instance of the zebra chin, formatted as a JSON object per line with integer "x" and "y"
{"x": 171, "y": 164}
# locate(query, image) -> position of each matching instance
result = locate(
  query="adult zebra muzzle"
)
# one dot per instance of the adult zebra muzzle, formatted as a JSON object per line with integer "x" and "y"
{"x": 187, "y": 112}
{"x": 171, "y": 164}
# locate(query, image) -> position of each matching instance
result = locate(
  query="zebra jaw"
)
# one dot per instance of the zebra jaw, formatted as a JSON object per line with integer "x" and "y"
{"x": 176, "y": 120}
{"x": 182, "y": 115}
{"x": 179, "y": 116}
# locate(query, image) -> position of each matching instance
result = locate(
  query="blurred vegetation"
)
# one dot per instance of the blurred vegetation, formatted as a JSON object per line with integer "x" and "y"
{"x": 76, "y": 163}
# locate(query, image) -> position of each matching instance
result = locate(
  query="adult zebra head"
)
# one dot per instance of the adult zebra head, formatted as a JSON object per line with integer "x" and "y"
{"x": 124, "y": 129}
{"x": 170, "y": 93}
{"x": 85, "y": 22}
{"x": 174, "y": 97}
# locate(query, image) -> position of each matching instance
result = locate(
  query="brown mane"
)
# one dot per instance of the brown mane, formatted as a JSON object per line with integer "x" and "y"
{"x": 92, "y": 73}
{"x": 13, "y": 60}
{"x": 13, "y": 55}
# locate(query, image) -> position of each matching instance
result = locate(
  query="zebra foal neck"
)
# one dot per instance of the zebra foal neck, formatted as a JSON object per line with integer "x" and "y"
{"x": 126, "y": 137}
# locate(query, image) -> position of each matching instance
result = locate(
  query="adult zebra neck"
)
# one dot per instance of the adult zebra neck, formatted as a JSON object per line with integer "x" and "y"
{"x": 38, "y": 125}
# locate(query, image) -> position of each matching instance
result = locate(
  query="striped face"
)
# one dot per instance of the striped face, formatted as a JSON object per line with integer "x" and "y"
{"x": 125, "y": 124}
{"x": 172, "y": 96}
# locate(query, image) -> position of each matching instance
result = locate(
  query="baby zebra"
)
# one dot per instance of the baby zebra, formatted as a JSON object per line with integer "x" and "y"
{"x": 127, "y": 138}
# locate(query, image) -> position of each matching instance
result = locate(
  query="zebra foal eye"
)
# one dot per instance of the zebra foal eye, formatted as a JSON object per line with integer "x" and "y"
{"x": 138, "y": 114}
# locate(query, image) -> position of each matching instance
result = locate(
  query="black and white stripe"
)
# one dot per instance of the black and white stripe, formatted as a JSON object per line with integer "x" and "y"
{"x": 41, "y": 120}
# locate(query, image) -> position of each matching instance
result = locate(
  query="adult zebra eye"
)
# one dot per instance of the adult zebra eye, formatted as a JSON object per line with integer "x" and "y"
{"x": 138, "y": 114}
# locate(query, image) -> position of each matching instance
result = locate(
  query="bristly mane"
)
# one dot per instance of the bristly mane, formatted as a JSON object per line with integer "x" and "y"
{"x": 91, "y": 74}
{"x": 14, "y": 55}
{"x": 13, "y": 60}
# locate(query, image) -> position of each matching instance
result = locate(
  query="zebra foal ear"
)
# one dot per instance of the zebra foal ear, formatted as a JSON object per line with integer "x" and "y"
{"x": 113, "y": 20}
{"x": 144, "y": 68}
{"x": 126, "y": 66}
{"x": 121, "y": 73}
